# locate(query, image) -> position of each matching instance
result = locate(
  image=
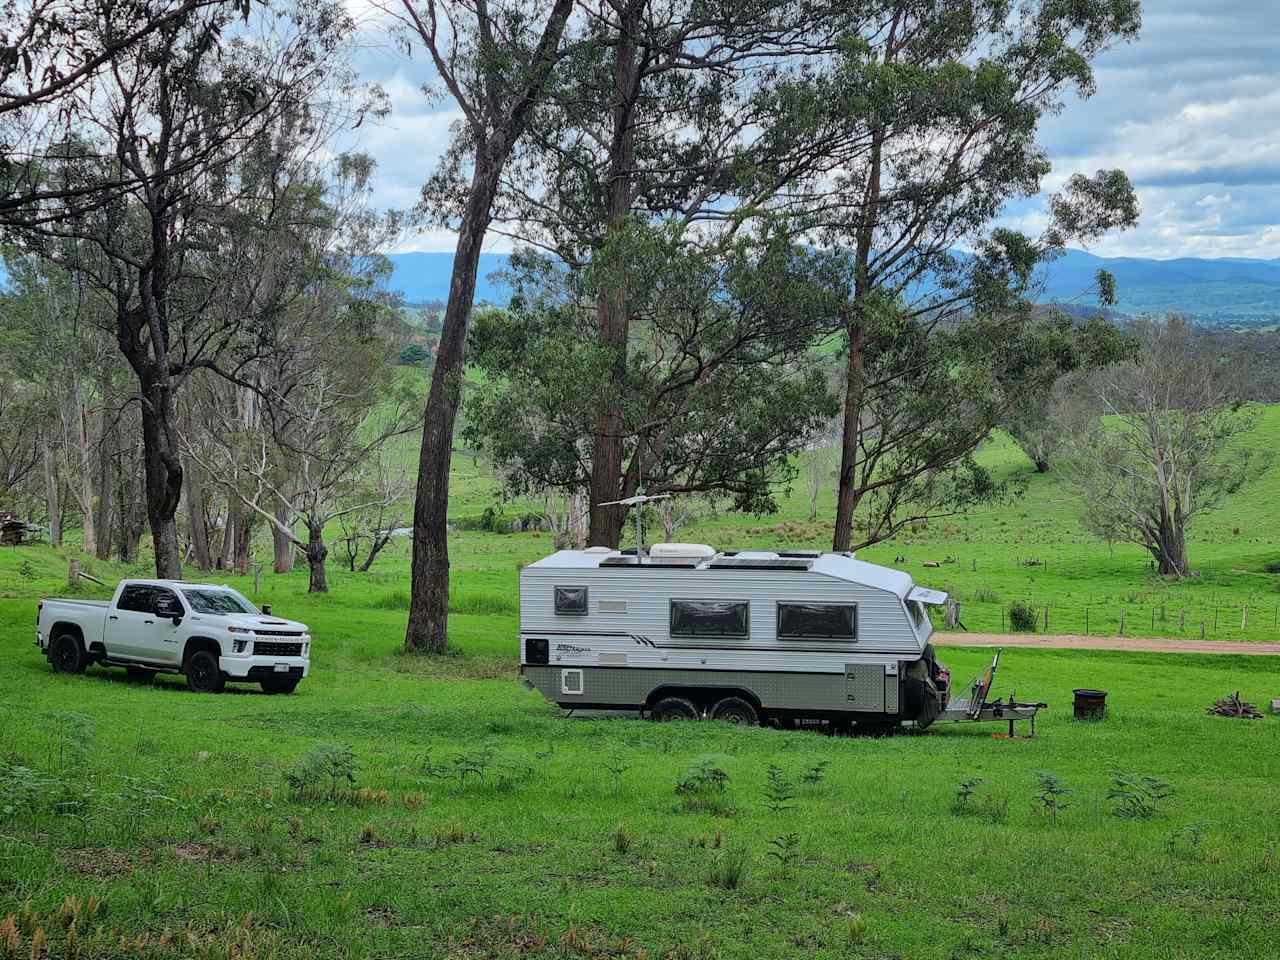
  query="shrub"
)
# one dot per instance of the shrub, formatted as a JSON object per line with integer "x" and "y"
{"x": 985, "y": 595}
{"x": 779, "y": 791}
{"x": 321, "y": 773}
{"x": 704, "y": 788}
{"x": 1022, "y": 616}
{"x": 1137, "y": 797}
{"x": 1050, "y": 794}
{"x": 965, "y": 794}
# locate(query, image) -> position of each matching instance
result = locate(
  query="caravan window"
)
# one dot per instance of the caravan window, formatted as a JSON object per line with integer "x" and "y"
{"x": 708, "y": 618}
{"x": 817, "y": 621}
{"x": 571, "y": 600}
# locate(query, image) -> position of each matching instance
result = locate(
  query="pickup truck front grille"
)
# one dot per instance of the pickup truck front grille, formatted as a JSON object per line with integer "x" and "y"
{"x": 274, "y": 648}
{"x": 277, "y": 633}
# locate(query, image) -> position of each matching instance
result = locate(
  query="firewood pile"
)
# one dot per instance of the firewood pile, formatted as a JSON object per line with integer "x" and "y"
{"x": 1233, "y": 706}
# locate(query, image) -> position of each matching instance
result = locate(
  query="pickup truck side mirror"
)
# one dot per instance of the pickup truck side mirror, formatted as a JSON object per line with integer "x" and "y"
{"x": 177, "y": 620}
{"x": 266, "y": 609}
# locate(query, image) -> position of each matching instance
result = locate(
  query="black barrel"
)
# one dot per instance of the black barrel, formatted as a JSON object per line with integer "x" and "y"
{"x": 1090, "y": 704}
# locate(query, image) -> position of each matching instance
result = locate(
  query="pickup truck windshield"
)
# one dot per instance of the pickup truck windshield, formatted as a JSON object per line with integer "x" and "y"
{"x": 216, "y": 601}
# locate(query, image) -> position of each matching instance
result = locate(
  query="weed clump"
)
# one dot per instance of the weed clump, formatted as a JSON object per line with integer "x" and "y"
{"x": 729, "y": 869}
{"x": 322, "y": 774}
{"x": 1137, "y": 797}
{"x": 704, "y": 788}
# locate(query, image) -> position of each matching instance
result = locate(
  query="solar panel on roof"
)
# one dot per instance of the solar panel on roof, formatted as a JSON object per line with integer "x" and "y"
{"x": 681, "y": 563}
{"x": 752, "y": 563}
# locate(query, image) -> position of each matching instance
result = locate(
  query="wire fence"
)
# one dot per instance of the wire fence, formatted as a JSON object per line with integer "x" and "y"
{"x": 1085, "y": 598}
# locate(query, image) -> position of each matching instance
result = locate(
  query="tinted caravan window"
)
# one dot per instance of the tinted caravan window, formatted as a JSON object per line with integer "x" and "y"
{"x": 708, "y": 618}
{"x": 817, "y": 621}
{"x": 571, "y": 600}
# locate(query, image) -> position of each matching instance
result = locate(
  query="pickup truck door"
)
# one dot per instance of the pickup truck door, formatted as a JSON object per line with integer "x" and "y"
{"x": 135, "y": 632}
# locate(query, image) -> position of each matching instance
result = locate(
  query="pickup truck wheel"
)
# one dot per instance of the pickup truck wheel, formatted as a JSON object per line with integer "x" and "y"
{"x": 139, "y": 674}
{"x": 674, "y": 708}
{"x": 279, "y": 686}
{"x": 66, "y": 654}
{"x": 735, "y": 710}
{"x": 203, "y": 673}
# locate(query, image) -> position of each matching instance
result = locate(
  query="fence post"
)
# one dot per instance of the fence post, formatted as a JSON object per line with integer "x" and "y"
{"x": 73, "y": 573}
{"x": 1153, "y": 619}
{"x": 1244, "y": 618}
{"x": 1182, "y": 620}
{"x": 1201, "y": 629}
{"x": 1086, "y": 621}
{"x": 1122, "y": 623}
{"x": 257, "y": 578}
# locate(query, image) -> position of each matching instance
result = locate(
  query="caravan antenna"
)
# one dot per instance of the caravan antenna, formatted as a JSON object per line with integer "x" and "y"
{"x": 638, "y": 500}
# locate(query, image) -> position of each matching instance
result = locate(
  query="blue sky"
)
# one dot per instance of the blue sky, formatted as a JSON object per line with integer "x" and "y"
{"x": 1191, "y": 111}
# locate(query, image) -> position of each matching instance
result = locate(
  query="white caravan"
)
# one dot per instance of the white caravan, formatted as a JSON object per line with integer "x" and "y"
{"x": 685, "y": 632}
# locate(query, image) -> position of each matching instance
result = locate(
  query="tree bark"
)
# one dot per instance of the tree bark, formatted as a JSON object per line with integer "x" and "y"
{"x": 194, "y": 497}
{"x": 162, "y": 471}
{"x": 51, "y": 494}
{"x": 228, "y": 550}
{"x": 428, "y": 625}
{"x": 429, "y": 606}
{"x": 105, "y": 470}
{"x": 612, "y": 317}
{"x": 85, "y": 470}
{"x": 316, "y": 553}
{"x": 282, "y": 547}
{"x": 847, "y": 494}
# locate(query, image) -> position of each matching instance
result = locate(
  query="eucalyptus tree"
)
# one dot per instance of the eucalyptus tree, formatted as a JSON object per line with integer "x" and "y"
{"x": 673, "y": 114}
{"x": 53, "y": 50}
{"x": 1169, "y": 447}
{"x": 938, "y": 342}
{"x": 721, "y": 389}
{"x": 495, "y": 60}
{"x": 181, "y": 105}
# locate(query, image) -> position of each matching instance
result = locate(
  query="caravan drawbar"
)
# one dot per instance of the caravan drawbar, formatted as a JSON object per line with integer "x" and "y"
{"x": 684, "y": 631}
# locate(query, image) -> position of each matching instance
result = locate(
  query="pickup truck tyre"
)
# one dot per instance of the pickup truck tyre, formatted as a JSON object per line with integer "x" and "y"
{"x": 139, "y": 674}
{"x": 66, "y": 654}
{"x": 279, "y": 686}
{"x": 203, "y": 673}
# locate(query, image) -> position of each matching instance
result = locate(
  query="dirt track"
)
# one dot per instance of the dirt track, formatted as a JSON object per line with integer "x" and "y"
{"x": 1140, "y": 644}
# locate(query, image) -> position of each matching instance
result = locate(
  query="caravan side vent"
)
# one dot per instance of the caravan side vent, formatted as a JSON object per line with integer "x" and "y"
{"x": 612, "y": 606}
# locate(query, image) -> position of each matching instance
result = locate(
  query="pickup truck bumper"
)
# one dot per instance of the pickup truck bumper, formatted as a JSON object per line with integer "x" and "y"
{"x": 262, "y": 668}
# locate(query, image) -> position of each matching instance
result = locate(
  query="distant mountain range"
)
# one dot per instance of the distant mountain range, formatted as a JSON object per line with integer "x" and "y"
{"x": 1219, "y": 291}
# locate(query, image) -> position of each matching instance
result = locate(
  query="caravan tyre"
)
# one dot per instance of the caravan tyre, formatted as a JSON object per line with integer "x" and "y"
{"x": 735, "y": 710}
{"x": 674, "y": 708}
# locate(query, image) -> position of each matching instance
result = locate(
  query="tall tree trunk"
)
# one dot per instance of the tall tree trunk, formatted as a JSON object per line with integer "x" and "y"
{"x": 316, "y": 553}
{"x": 846, "y": 495}
{"x": 244, "y": 541}
{"x": 194, "y": 496}
{"x": 429, "y": 604}
{"x": 612, "y": 309}
{"x": 228, "y": 549}
{"x": 51, "y": 493}
{"x": 163, "y": 474}
{"x": 85, "y": 470}
{"x": 105, "y": 471}
{"x": 428, "y": 625}
{"x": 281, "y": 545}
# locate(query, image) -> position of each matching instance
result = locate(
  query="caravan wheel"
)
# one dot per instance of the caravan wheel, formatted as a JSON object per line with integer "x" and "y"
{"x": 674, "y": 708}
{"x": 735, "y": 710}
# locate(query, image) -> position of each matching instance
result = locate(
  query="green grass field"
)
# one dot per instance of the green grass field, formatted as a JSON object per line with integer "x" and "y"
{"x": 152, "y": 822}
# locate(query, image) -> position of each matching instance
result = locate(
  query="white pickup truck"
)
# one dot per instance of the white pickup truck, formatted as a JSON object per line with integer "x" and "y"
{"x": 211, "y": 633}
